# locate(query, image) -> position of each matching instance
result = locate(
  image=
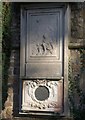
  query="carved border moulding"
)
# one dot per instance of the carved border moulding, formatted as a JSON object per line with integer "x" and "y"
{"x": 53, "y": 103}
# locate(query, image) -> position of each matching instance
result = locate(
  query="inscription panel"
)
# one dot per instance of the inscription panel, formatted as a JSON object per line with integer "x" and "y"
{"x": 44, "y": 70}
{"x": 44, "y": 43}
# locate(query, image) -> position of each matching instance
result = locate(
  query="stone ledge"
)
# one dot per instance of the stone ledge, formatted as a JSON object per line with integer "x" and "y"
{"x": 76, "y": 45}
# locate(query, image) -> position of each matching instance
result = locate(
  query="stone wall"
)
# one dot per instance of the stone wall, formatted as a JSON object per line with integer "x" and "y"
{"x": 12, "y": 102}
{"x": 76, "y": 60}
{"x": 75, "y": 43}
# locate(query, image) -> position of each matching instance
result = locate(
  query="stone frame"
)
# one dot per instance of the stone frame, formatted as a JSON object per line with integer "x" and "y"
{"x": 66, "y": 39}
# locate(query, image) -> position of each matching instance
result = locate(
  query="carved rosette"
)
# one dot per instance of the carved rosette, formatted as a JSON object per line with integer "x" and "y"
{"x": 52, "y": 103}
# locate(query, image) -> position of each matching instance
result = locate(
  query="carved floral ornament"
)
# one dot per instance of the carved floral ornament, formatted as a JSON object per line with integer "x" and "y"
{"x": 30, "y": 102}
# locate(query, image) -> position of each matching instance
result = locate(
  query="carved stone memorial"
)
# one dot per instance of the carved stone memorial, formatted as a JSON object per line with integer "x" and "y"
{"x": 42, "y": 95}
{"x": 42, "y": 59}
{"x": 42, "y": 43}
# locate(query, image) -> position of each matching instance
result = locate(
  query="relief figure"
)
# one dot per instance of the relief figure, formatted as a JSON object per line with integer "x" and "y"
{"x": 43, "y": 48}
{"x": 39, "y": 49}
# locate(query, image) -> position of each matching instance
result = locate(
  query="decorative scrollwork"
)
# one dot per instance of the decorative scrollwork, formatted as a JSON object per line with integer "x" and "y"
{"x": 30, "y": 88}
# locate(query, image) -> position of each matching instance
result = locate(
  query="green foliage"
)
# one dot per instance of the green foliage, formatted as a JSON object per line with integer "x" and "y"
{"x": 6, "y": 18}
{"x": 6, "y": 46}
{"x": 77, "y": 111}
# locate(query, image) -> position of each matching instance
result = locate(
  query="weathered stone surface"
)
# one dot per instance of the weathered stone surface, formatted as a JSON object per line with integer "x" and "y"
{"x": 7, "y": 112}
{"x": 75, "y": 61}
{"x": 77, "y": 35}
{"x": 77, "y": 21}
{"x": 77, "y": 79}
{"x": 15, "y": 26}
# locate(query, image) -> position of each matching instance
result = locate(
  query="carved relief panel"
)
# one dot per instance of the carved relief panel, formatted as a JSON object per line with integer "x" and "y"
{"x": 43, "y": 56}
{"x": 43, "y": 35}
{"x": 42, "y": 95}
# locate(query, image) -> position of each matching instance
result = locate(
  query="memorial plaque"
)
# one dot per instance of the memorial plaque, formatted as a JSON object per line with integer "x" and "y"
{"x": 42, "y": 60}
{"x": 43, "y": 43}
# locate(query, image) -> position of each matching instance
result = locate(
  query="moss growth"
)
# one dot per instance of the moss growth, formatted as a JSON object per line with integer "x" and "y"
{"x": 6, "y": 44}
{"x": 77, "y": 110}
